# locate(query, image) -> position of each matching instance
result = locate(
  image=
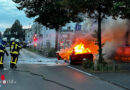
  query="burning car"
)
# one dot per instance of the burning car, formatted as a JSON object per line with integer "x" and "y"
{"x": 123, "y": 54}
{"x": 80, "y": 53}
{"x": 76, "y": 54}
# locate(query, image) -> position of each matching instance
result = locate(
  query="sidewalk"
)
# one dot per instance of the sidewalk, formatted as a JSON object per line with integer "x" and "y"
{"x": 121, "y": 79}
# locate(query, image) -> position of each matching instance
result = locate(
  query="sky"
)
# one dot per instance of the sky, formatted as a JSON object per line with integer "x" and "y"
{"x": 9, "y": 13}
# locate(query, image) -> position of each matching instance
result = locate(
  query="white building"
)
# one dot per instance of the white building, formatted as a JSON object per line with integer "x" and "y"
{"x": 46, "y": 37}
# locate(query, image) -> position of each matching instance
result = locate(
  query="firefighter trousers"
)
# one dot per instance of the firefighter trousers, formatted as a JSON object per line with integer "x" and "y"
{"x": 14, "y": 59}
{"x": 1, "y": 60}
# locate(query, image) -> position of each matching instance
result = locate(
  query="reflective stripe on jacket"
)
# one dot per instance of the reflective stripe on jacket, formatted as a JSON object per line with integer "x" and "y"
{"x": 14, "y": 52}
{"x": 2, "y": 51}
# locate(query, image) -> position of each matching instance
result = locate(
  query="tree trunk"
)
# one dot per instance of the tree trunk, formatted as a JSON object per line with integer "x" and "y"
{"x": 99, "y": 36}
{"x": 56, "y": 40}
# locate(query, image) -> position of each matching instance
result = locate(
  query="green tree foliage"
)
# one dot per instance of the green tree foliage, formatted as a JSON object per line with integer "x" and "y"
{"x": 7, "y": 33}
{"x": 0, "y": 34}
{"x": 15, "y": 31}
{"x": 121, "y": 9}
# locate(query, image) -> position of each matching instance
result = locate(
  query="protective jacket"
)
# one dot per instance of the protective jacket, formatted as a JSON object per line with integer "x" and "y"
{"x": 2, "y": 51}
{"x": 15, "y": 47}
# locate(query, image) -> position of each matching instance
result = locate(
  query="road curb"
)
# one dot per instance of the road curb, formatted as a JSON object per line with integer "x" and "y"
{"x": 89, "y": 74}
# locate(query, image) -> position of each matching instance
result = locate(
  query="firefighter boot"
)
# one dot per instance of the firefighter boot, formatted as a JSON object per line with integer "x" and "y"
{"x": 1, "y": 66}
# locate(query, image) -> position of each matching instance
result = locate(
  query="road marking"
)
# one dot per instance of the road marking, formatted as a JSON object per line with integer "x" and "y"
{"x": 89, "y": 74}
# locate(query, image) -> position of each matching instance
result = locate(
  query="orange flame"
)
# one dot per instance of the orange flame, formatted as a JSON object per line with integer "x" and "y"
{"x": 82, "y": 45}
{"x": 80, "y": 49}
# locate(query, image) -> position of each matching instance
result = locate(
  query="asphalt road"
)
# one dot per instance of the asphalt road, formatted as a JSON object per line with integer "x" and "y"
{"x": 48, "y": 76}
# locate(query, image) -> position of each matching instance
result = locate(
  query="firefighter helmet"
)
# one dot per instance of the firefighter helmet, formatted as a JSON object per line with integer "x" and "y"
{"x": 12, "y": 39}
{"x": 17, "y": 40}
{"x": 4, "y": 39}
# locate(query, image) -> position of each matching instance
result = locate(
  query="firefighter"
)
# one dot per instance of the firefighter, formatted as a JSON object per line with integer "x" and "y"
{"x": 17, "y": 41}
{"x": 3, "y": 44}
{"x": 12, "y": 42}
{"x": 14, "y": 53}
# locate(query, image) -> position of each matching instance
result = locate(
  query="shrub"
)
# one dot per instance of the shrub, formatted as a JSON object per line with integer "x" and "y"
{"x": 87, "y": 64}
{"x": 108, "y": 67}
{"x": 101, "y": 67}
{"x": 51, "y": 52}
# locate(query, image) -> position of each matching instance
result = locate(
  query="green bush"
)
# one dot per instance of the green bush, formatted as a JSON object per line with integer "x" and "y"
{"x": 51, "y": 52}
{"x": 87, "y": 64}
